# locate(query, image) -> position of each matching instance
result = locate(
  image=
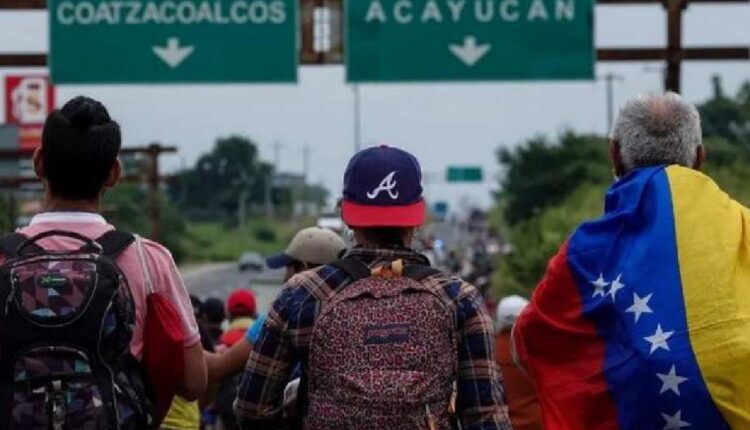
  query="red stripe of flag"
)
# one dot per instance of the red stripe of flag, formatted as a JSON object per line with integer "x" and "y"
{"x": 562, "y": 350}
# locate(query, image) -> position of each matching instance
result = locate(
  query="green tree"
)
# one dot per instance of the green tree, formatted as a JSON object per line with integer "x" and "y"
{"x": 220, "y": 178}
{"x": 548, "y": 188}
{"x": 728, "y": 117}
{"x": 126, "y": 206}
{"x": 541, "y": 173}
{"x": 536, "y": 239}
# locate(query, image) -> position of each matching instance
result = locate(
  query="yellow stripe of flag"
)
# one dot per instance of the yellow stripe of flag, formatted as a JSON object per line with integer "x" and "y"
{"x": 713, "y": 247}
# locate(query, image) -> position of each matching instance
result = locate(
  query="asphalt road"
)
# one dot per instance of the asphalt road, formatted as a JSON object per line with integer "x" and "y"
{"x": 218, "y": 280}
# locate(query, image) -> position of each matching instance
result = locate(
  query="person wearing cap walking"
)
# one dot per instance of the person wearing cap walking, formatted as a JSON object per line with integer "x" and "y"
{"x": 241, "y": 309}
{"x": 311, "y": 247}
{"x": 523, "y": 403}
{"x": 383, "y": 205}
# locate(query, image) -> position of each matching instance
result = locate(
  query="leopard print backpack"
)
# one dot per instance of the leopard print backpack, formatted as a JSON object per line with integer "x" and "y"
{"x": 383, "y": 353}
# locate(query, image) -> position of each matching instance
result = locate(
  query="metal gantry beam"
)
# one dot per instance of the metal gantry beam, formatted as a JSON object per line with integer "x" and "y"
{"x": 23, "y": 60}
{"x": 42, "y": 4}
{"x": 641, "y": 2}
{"x": 23, "y": 4}
{"x": 706, "y": 53}
{"x": 17, "y": 154}
{"x": 673, "y": 54}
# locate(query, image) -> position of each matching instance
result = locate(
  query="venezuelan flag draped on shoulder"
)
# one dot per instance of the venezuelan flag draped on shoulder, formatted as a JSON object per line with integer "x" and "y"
{"x": 643, "y": 318}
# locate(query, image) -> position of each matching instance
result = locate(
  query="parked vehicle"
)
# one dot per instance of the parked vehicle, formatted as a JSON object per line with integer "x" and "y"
{"x": 251, "y": 261}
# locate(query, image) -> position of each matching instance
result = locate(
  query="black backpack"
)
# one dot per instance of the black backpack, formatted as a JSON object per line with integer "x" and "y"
{"x": 66, "y": 322}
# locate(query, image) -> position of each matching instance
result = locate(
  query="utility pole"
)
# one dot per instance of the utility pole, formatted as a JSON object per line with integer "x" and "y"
{"x": 270, "y": 178}
{"x": 242, "y": 208}
{"x": 306, "y": 175}
{"x": 153, "y": 188}
{"x": 243, "y": 182}
{"x": 609, "y": 80}
{"x": 276, "y": 155}
{"x": 357, "y": 119}
{"x": 267, "y": 191}
{"x": 153, "y": 180}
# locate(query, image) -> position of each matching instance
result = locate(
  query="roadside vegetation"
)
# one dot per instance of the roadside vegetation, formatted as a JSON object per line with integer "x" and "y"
{"x": 218, "y": 208}
{"x": 206, "y": 241}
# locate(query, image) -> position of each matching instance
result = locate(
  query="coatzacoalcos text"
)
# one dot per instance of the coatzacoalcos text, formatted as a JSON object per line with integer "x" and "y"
{"x": 171, "y": 12}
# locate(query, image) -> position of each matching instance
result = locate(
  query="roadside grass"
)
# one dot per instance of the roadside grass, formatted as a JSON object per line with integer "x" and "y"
{"x": 210, "y": 242}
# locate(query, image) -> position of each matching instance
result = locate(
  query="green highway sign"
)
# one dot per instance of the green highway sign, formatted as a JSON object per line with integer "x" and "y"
{"x": 173, "y": 41}
{"x": 458, "y": 40}
{"x": 464, "y": 174}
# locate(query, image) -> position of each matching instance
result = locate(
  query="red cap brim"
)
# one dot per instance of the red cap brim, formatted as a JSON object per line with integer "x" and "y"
{"x": 358, "y": 215}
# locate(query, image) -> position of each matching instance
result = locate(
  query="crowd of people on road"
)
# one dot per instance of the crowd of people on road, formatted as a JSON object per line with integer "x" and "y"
{"x": 641, "y": 322}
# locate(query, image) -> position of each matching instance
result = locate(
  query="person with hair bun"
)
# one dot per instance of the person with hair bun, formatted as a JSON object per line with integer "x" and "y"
{"x": 78, "y": 157}
{"x": 77, "y": 163}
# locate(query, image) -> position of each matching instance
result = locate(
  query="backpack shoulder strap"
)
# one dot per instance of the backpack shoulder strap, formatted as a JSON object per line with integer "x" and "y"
{"x": 353, "y": 267}
{"x": 114, "y": 242}
{"x": 11, "y": 242}
{"x": 418, "y": 272}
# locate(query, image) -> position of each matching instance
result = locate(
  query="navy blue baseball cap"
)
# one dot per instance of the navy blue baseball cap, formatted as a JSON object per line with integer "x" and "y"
{"x": 383, "y": 188}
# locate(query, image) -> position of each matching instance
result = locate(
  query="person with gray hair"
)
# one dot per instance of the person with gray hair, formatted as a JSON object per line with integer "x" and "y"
{"x": 642, "y": 318}
{"x": 657, "y": 129}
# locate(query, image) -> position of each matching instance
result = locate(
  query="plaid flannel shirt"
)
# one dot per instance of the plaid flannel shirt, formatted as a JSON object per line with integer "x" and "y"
{"x": 285, "y": 340}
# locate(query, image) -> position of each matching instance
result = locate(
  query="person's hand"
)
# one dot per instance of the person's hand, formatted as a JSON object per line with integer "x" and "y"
{"x": 290, "y": 400}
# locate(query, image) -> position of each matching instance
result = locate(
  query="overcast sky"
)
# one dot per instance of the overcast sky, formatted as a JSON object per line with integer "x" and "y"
{"x": 442, "y": 124}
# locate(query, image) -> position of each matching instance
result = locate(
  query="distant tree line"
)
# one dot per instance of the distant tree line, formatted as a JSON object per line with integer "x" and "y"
{"x": 232, "y": 175}
{"x": 213, "y": 190}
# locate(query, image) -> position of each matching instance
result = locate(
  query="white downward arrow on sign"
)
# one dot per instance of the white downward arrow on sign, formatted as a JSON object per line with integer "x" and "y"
{"x": 470, "y": 53}
{"x": 173, "y": 54}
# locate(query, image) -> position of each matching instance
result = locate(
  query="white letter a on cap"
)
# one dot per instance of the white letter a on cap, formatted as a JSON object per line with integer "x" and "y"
{"x": 388, "y": 184}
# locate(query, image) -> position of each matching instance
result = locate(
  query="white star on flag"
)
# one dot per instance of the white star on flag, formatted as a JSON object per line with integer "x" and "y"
{"x": 615, "y": 287}
{"x": 640, "y": 306}
{"x": 599, "y": 286}
{"x": 674, "y": 422}
{"x": 671, "y": 381}
{"x": 659, "y": 339}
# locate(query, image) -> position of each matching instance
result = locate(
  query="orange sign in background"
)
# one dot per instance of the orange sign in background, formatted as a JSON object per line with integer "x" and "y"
{"x": 28, "y": 100}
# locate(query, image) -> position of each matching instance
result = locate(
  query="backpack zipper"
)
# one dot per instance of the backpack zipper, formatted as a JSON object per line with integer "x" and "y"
{"x": 82, "y": 311}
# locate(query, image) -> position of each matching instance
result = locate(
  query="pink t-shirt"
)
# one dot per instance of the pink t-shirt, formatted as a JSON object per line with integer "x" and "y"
{"x": 165, "y": 277}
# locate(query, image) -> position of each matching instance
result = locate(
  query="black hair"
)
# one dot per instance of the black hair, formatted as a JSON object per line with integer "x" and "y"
{"x": 212, "y": 310}
{"x": 385, "y": 236}
{"x": 197, "y": 304}
{"x": 80, "y": 144}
